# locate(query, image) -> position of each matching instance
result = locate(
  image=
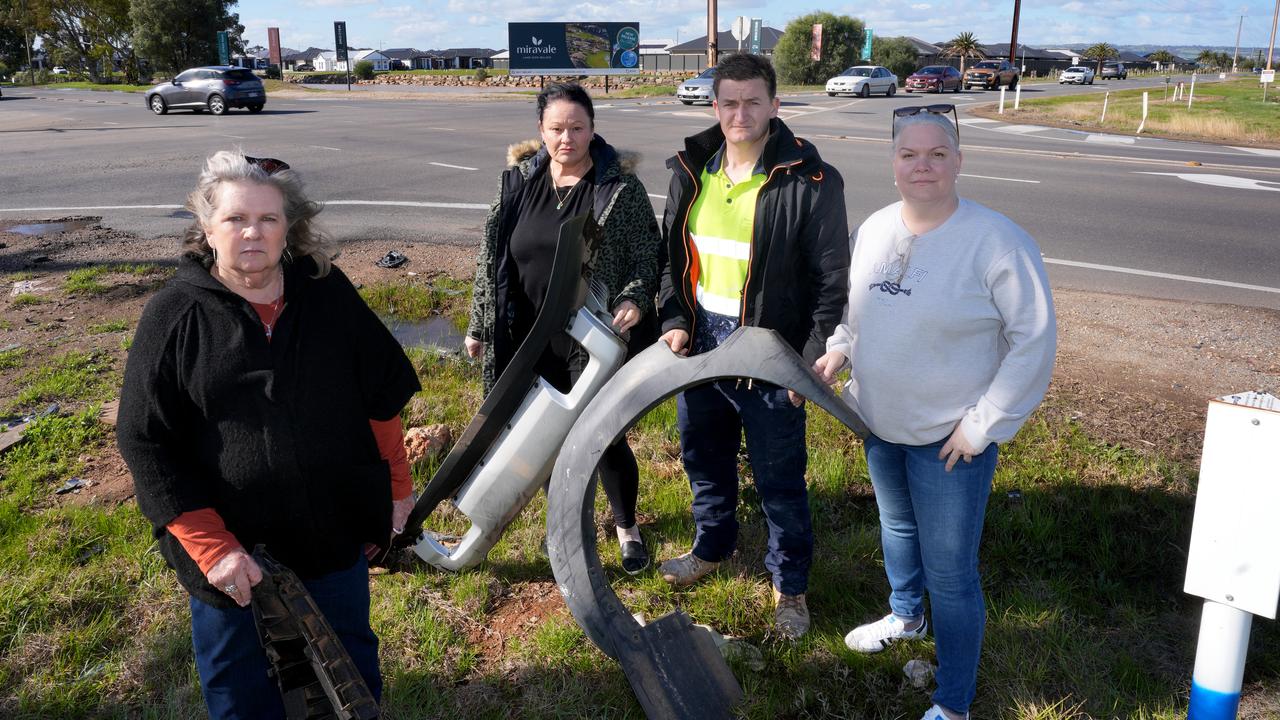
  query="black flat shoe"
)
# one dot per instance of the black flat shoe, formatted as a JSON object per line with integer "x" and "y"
{"x": 635, "y": 558}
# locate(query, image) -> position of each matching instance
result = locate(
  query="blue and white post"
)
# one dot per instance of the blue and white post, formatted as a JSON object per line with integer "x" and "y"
{"x": 1232, "y": 562}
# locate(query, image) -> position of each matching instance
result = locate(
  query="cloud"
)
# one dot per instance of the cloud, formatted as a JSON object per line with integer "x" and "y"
{"x": 335, "y": 3}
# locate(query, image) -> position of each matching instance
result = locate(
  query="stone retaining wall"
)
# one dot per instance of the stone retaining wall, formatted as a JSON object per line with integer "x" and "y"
{"x": 616, "y": 82}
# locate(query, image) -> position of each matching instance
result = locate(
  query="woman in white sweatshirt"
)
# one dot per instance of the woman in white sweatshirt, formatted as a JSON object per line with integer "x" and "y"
{"x": 950, "y": 334}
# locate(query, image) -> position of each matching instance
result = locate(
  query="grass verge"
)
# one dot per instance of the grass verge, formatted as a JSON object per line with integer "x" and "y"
{"x": 1229, "y": 112}
{"x": 102, "y": 87}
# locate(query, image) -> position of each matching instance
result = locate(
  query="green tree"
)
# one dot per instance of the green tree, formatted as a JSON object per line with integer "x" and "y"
{"x": 842, "y": 38}
{"x": 90, "y": 34}
{"x": 897, "y": 54}
{"x": 1101, "y": 52}
{"x": 363, "y": 70}
{"x": 177, "y": 34}
{"x": 1165, "y": 59}
{"x": 964, "y": 45}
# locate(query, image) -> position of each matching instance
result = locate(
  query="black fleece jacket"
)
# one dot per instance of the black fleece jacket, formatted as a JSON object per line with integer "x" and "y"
{"x": 798, "y": 272}
{"x": 275, "y": 435}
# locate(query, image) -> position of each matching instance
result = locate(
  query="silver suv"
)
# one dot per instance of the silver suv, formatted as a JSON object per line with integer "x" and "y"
{"x": 1114, "y": 71}
{"x": 215, "y": 88}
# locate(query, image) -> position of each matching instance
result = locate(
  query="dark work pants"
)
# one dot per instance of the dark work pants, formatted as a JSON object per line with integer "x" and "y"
{"x": 233, "y": 666}
{"x": 712, "y": 419}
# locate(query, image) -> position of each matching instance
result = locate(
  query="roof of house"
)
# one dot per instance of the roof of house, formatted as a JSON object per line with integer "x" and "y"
{"x": 463, "y": 52}
{"x": 301, "y": 54}
{"x": 405, "y": 53}
{"x": 725, "y": 41}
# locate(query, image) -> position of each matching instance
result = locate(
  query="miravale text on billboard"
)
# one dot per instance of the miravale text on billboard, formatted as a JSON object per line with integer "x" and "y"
{"x": 577, "y": 48}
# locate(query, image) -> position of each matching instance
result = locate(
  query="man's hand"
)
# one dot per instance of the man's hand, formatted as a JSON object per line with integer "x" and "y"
{"x": 625, "y": 316}
{"x": 956, "y": 447}
{"x": 828, "y": 365}
{"x": 236, "y": 574}
{"x": 677, "y": 340}
{"x": 474, "y": 347}
{"x": 400, "y": 510}
{"x": 795, "y": 398}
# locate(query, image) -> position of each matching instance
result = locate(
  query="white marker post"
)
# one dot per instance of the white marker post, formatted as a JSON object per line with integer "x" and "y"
{"x": 1192, "y": 95}
{"x": 1232, "y": 562}
{"x": 1002, "y": 100}
{"x": 1017, "y": 97}
{"x": 1103, "y": 119}
{"x": 1144, "y": 114}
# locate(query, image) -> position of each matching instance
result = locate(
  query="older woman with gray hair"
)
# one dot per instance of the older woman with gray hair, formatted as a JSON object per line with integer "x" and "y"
{"x": 950, "y": 333}
{"x": 261, "y": 406}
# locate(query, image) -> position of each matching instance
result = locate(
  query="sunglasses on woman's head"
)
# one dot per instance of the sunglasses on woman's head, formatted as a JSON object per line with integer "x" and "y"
{"x": 270, "y": 166}
{"x": 936, "y": 109}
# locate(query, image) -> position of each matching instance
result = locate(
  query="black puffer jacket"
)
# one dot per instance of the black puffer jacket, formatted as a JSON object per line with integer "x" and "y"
{"x": 798, "y": 271}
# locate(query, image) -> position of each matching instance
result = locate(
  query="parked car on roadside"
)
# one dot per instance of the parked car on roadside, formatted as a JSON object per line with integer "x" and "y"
{"x": 1114, "y": 71}
{"x": 700, "y": 88}
{"x": 991, "y": 74}
{"x": 863, "y": 80}
{"x": 215, "y": 88}
{"x": 1076, "y": 75}
{"x": 934, "y": 78}
{"x": 59, "y": 70}
{"x": 304, "y": 67}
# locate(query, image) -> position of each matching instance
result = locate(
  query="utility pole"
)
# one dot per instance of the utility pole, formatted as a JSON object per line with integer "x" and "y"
{"x": 1271, "y": 46}
{"x": 712, "y": 36}
{"x": 26, "y": 39}
{"x": 1013, "y": 40}
{"x": 1234, "y": 58}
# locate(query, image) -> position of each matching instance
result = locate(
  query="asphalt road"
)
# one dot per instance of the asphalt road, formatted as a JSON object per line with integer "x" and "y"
{"x": 1111, "y": 213}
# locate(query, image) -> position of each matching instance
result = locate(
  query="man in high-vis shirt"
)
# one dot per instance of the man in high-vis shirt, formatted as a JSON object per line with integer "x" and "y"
{"x": 756, "y": 235}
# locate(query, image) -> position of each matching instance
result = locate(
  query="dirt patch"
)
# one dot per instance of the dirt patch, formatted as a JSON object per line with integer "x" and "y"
{"x": 110, "y": 483}
{"x": 517, "y": 614}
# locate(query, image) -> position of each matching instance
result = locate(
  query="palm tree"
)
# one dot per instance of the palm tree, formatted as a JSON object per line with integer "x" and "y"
{"x": 1162, "y": 58}
{"x": 1101, "y": 52}
{"x": 1207, "y": 59}
{"x": 962, "y": 46}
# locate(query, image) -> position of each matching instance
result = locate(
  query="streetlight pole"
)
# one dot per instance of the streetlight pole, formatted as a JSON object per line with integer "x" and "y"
{"x": 1271, "y": 45}
{"x": 1235, "y": 57}
{"x": 1013, "y": 40}
{"x": 712, "y": 35}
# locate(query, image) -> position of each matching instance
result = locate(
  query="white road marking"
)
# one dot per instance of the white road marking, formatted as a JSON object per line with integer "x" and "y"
{"x": 325, "y": 147}
{"x": 1111, "y": 139}
{"x": 1164, "y": 276}
{"x": 990, "y": 177}
{"x": 1021, "y": 129}
{"x": 441, "y": 128}
{"x": 1226, "y": 181}
{"x": 455, "y": 167}
{"x": 802, "y": 113}
{"x": 1257, "y": 151}
{"x": 690, "y": 113}
{"x": 976, "y": 121}
{"x": 237, "y": 137}
{"x": 627, "y": 110}
{"x": 108, "y": 122}
{"x": 407, "y": 203}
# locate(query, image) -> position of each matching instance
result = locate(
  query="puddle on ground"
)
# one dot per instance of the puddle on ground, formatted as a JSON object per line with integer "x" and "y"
{"x": 435, "y": 332}
{"x": 49, "y": 228}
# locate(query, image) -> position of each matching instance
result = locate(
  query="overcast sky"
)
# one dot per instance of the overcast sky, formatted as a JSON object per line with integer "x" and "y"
{"x": 437, "y": 24}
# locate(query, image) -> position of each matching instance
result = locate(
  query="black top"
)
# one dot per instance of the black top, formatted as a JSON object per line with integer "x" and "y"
{"x": 274, "y": 436}
{"x": 533, "y": 239}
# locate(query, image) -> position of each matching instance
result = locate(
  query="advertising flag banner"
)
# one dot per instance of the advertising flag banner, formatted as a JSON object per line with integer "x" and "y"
{"x": 815, "y": 48}
{"x": 273, "y": 45}
{"x": 581, "y": 48}
{"x": 340, "y": 40}
{"x": 224, "y": 48}
{"x": 756, "y": 23}
{"x": 866, "y": 46}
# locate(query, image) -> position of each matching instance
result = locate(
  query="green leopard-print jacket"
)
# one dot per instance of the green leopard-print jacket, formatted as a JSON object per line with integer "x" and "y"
{"x": 626, "y": 262}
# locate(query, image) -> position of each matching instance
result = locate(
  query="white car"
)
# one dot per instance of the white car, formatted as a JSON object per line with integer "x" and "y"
{"x": 59, "y": 70}
{"x": 699, "y": 88}
{"x": 1077, "y": 75}
{"x": 862, "y": 80}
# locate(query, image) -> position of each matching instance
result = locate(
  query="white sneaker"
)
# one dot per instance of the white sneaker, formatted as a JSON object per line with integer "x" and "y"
{"x": 936, "y": 713}
{"x": 876, "y": 636}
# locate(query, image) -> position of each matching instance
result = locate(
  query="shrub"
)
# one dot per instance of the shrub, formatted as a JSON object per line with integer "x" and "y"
{"x": 364, "y": 70}
{"x": 273, "y": 72}
{"x": 481, "y": 74}
{"x": 842, "y": 38}
{"x": 897, "y": 54}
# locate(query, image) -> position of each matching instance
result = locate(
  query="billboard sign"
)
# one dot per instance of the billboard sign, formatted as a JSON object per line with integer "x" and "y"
{"x": 815, "y": 46}
{"x": 224, "y": 48}
{"x": 866, "y": 46}
{"x": 755, "y": 35}
{"x": 603, "y": 48}
{"x": 340, "y": 40}
{"x": 273, "y": 45}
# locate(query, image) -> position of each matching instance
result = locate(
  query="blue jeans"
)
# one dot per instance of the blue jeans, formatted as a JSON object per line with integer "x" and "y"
{"x": 712, "y": 419}
{"x": 234, "y": 668}
{"x": 930, "y": 526}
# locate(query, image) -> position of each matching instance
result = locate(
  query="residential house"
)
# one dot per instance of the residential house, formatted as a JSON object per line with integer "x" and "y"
{"x": 464, "y": 58}
{"x": 692, "y": 55}
{"x": 380, "y": 61}
{"x": 410, "y": 59}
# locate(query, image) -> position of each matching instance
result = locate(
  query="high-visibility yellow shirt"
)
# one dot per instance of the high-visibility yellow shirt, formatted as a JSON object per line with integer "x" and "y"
{"x": 720, "y": 224}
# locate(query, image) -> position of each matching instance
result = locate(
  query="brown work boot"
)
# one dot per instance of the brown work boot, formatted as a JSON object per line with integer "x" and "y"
{"x": 686, "y": 569}
{"x": 790, "y": 615}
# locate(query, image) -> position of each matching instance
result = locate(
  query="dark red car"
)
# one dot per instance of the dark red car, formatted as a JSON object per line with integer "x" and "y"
{"x": 934, "y": 78}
